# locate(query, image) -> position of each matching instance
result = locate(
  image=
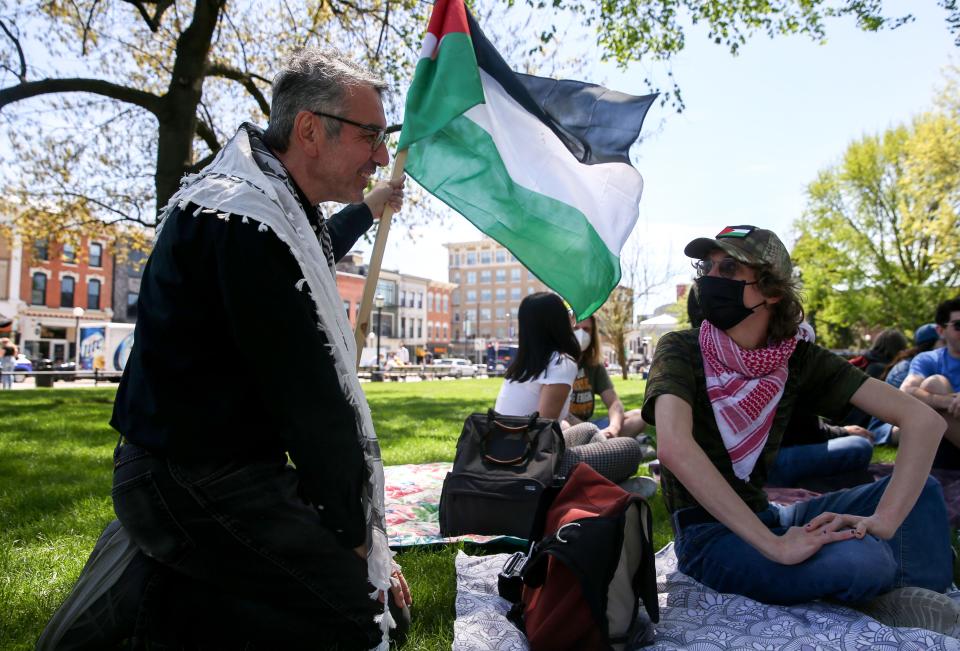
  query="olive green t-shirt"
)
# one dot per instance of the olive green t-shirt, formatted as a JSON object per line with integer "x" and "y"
{"x": 590, "y": 380}
{"x": 818, "y": 381}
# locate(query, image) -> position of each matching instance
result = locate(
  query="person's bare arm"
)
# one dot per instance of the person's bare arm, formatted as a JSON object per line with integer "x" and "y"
{"x": 552, "y": 399}
{"x": 942, "y": 401}
{"x": 680, "y": 453}
{"x": 614, "y": 412}
{"x": 920, "y": 431}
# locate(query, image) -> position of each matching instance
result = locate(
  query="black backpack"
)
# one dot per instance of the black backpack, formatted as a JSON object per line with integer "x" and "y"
{"x": 502, "y": 465}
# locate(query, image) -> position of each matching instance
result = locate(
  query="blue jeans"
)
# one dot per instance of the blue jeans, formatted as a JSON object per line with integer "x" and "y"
{"x": 248, "y": 560}
{"x": 836, "y": 456}
{"x": 850, "y": 571}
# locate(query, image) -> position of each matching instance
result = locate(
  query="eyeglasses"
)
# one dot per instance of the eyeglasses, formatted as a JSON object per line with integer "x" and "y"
{"x": 378, "y": 134}
{"x": 726, "y": 267}
{"x": 954, "y": 324}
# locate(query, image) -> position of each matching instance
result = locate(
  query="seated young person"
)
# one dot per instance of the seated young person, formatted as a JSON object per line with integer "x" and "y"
{"x": 810, "y": 448}
{"x": 592, "y": 379}
{"x": 539, "y": 380}
{"x": 721, "y": 397}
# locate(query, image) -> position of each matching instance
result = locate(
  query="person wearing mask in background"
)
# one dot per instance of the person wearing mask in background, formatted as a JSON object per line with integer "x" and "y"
{"x": 592, "y": 379}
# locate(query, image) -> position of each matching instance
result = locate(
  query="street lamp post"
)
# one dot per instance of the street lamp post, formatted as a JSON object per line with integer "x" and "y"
{"x": 378, "y": 301}
{"x": 77, "y": 314}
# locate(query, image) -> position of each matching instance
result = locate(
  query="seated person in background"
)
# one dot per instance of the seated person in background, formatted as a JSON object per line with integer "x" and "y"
{"x": 934, "y": 379}
{"x": 592, "y": 378}
{"x": 810, "y": 447}
{"x": 873, "y": 362}
{"x": 925, "y": 338}
{"x": 539, "y": 380}
{"x": 721, "y": 397}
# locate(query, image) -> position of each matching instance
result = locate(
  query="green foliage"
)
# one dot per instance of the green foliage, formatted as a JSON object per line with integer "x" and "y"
{"x": 879, "y": 242}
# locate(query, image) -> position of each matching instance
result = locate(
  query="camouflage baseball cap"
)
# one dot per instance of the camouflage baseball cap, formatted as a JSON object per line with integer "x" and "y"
{"x": 749, "y": 244}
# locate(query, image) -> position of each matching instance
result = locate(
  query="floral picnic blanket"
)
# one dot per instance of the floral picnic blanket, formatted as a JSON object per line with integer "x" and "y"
{"x": 413, "y": 506}
{"x": 692, "y": 616}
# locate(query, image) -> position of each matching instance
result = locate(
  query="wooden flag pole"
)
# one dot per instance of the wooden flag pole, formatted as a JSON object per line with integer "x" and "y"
{"x": 376, "y": 257}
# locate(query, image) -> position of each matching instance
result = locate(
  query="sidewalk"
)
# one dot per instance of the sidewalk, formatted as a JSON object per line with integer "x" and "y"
{"x": 30, "y": 383}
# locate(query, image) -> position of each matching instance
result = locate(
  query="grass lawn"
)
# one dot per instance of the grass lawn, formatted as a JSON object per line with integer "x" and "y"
{"x": 55, "y": 476}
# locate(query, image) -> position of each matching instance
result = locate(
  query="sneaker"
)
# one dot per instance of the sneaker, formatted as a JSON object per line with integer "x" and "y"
{"x": 916, "y": 608}
{"x": 645, "y": 487}
{"x": 646, "y": 447}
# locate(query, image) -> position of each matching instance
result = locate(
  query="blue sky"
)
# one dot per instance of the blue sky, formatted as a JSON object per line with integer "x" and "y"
{"x": 756, "y": 130}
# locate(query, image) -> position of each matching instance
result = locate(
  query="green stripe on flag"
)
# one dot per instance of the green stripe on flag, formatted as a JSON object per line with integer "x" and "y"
{"x": 442, "y": 88}
{"x": 461, "y": 166}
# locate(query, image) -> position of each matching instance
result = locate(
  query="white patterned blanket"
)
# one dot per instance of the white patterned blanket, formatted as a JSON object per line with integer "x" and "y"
{"x": 692, "y": 616}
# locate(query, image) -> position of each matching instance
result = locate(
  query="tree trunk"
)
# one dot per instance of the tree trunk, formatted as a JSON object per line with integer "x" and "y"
{"x": 178, "y": 119}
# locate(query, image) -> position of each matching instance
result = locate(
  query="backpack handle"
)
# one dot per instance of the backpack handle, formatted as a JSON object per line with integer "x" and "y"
{"x": 525, "y": 430}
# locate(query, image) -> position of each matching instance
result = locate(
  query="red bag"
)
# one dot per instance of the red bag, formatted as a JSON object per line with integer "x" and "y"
{"x": 860, "y": 362}
{"x": 584, "y": 580}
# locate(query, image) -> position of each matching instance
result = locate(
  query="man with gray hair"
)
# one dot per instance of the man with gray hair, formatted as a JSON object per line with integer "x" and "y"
{"x": 231, "y": 544}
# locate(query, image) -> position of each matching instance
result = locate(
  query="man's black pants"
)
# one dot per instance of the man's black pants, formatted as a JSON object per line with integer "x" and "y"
{"x": 249, "y": 558}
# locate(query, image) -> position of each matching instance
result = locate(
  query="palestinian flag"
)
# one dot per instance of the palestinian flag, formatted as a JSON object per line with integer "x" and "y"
{"x": 540, "y": 165}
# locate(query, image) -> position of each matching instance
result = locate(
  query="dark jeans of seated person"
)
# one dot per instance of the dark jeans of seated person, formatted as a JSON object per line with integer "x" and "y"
{"x": 836, "y": 456}
{"x": 851, "y": 571}
{"x": 240, "y": 537}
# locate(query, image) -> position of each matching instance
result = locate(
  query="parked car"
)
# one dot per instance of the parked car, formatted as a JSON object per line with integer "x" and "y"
{"x": 24, "y": 365}
{"x": 456, "y": 366}
{"x": 614, "y": 369}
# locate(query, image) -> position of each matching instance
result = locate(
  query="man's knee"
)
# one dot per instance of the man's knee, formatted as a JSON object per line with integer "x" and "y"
{"x": 936, "y": 384}
{"x": 869, "y": 565}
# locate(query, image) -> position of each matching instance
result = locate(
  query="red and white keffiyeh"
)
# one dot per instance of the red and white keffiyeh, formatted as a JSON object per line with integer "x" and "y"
{"x": 744, "y": 387}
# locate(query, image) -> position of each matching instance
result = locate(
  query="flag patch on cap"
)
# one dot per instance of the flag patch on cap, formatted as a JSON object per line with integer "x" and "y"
{"x": 735, "y": 231}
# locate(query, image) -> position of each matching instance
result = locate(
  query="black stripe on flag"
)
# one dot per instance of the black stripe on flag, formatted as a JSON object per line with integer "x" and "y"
{"x": 596, "y": 124}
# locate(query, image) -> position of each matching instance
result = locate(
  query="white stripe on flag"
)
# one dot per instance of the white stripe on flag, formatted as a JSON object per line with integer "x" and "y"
{"x": 608, "y": 193}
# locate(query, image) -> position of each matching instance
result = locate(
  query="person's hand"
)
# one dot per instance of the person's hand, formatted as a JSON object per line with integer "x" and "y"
{"x": 384, "y": 193}
{"x": 858, "y": 525}
{"x": 856, "y": 430}
{"x": 954, "y": 408}
{"x": 798, "y": 544}
{"x": 607, "y": 433}
{"x": 399, "y": 590}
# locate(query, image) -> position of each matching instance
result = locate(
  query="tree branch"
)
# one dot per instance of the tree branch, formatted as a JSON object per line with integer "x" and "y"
{"x": 205, "y": 131}
{"x": 16, "y": 42}
{"x": 153, "y": 22}
{"x": 29, "y": 89}
{"x": 245, "y": 79}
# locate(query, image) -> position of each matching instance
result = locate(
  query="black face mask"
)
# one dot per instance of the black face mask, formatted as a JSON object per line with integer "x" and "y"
{"x": 721, "y": 301}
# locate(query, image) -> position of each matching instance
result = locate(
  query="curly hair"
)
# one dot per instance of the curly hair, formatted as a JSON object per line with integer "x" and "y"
{"x": 787, "y": 313}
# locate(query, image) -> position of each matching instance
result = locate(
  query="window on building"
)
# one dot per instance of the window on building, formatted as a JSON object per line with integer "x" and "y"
{"x": 38, "y": 289}
{"x": 419, "y": 299}
{"x": 485, "y": 257}
{"x": 456, "y": 317}
{"x": 485, "y": 314}
{"x": 446, "y": 334}
{"x": 403, "y": 297}
{"x": 515, "y": 273}
{"x": 403, "y": 325}
{"x": 501, "y": 275}
{"x": 132, "y": 298}
{"x": 356, "y": 308}
{"x": 501, "y": 255}
{"x": 419, "y": 329}
{"x": 456, "y": 259}
{"x": 515, "y": 293}
{"x": 456, "y": 276}
{"x": 469, "y": 315}
{"x": 471, "y": 258}
{"x": 388, "y": 290}
{"x": 530, "y": 289}
{"x": 429, "y": 329}
{"x": 69, "y": 253}
{"x": 93, "y": 294}
{"x": 456, "y": 298}
{"x": 96, "y": 255}
{"x": 485, "y": 276}
{"x": 500, "y": 312}
{"x": 471, "y": 277}
{"x": 67, "y": 284}
{"x": 501, "y": 294}
{"x": 446, "y": 307}
{"x": 346, "y": 308}
{"x": 513, "y": 258}
{"x": 471, "y": 296}
{"x": 429, "y": 302}
{"x": 484, "y": 295}
{"x": 500, "y": 333}
{"x": 40, "y": 250}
